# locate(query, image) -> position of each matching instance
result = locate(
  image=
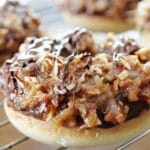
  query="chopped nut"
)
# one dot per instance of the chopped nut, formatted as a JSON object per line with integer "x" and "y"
{"x": 144, "y": 54}
{"x": 101, "y": 58}
{"x": 92, "y": 119}
{"x": 115, "y": 85}
{"x": 146, "y": 67}
{"x": 123, "y": 75}
{"x": 133, "y": 94}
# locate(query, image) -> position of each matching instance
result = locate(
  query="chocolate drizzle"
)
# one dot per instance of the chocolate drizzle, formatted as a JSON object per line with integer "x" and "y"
{"x": 124, "y": 45}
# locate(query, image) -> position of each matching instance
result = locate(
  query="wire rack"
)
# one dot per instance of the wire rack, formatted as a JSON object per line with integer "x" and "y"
{"x": 52, "y": 18}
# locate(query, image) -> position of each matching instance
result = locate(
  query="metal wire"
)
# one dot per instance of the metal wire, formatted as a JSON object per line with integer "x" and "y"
{"x": 62, "y": 148}
{"x": 3, "y": 123}
{"x": 134, "y": 140}
{"x": 1, "y": 103}
{"x": 13, "y": 143}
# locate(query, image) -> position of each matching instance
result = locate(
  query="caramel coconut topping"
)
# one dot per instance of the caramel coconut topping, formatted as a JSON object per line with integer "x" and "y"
{"x": 107, "y": 8}
{"x": 82, "y": 83}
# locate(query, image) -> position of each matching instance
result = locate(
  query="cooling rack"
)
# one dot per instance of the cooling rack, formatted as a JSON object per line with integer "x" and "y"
{"x": 53, "y": 20}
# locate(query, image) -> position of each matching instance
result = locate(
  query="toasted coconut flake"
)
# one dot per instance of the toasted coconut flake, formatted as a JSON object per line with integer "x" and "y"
{"x": 59, "y": 91}
{"x": 82, "y": 78}
{"x": 126, "y": 64}
{"x": 71, "y": 86}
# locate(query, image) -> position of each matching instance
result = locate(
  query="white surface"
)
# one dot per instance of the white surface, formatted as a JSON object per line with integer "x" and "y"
{"x": 22, "y": 1}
